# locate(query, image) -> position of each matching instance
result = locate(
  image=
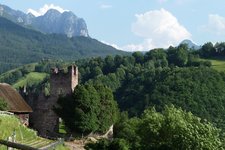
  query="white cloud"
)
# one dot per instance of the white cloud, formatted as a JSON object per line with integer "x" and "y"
{"x": 159, "y": 28}
{"x": 44, "y": 9}
{"x": 147, "y": 44}
{"x": 105, "y": 6}
{"x": 132, "y": 47}
{"x": 112, "y": 44}
{"x": 216, "y": 24}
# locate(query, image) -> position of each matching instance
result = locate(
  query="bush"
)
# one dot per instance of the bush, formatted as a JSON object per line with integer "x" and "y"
{"x": 3, "y": 105}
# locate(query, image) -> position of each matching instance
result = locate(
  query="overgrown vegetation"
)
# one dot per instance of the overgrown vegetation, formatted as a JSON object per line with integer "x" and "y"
{"x": 91, "y": 109}
{"x": 170, "y": 129}
{"x": 31, "y": 79}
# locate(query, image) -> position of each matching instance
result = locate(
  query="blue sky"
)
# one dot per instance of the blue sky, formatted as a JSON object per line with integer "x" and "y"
{"x": 142, "y": 24}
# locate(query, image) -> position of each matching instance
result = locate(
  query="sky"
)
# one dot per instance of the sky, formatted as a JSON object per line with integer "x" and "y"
{"x": 140, "y": 25}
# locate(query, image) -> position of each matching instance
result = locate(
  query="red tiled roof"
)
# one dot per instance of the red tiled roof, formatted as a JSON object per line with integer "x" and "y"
{"x": 14, "y": 100}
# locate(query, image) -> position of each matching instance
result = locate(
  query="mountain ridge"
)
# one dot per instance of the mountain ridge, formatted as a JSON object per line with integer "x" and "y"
{"x": 51, "y": 22}
{"x": 20, "y": 46}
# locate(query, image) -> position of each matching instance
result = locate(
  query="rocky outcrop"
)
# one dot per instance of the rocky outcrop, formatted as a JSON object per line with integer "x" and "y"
{"x": 51, "y": 22}
{"x": 64, "y": 23}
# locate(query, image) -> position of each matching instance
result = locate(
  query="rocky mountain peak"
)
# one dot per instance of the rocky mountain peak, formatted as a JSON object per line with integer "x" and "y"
{"x": 64, "y": 23}
{"x": 190, "y": 44}
{"x": 52, "y": 12}
{"x": 51, "y": 22}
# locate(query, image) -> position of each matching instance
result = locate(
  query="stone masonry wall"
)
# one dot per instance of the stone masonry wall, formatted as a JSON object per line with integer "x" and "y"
{"x": 43, "y": 118}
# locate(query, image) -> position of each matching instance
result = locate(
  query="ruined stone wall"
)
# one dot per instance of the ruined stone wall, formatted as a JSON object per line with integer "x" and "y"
{"x": 43, "y": 118}
{"x": 63, "y": 83}
{"x": 73, "y": 70}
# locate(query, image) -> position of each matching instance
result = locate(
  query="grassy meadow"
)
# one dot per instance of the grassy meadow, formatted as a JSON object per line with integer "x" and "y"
{"x": 32, "y": 78}
{"x": 217, "y": 63}
{"x": 10, "y": 125}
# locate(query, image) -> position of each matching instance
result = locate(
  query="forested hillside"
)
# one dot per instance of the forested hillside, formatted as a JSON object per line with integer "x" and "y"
{"x": 19, "y": 45}
{"x": 158, "y": 79}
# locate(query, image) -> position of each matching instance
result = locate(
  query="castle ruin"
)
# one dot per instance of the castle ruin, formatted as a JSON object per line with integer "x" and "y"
{"x": 44, "y": 119}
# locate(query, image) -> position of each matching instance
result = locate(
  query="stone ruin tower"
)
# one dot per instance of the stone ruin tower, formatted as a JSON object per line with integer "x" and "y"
{"x": 44, "y": 119}
{"x": 63, "y": 83}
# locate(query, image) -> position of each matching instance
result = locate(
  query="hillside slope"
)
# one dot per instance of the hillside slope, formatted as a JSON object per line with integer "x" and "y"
{"x": 9, "y": 124}
{"x": 21, "y": 46}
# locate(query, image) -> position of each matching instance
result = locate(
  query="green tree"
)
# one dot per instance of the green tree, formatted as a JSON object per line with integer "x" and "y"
{"x": 128, "y": 130}
{"x": 139, "y": 57}
{"x": 220, "y": 48}
{"x": 178, "y": 55}
{"x": 96, "y": 71}
{"x": 156, "y": 54}
{"x": 90, "y": 109}
{"x": 108, "y": 109}
{"x": 171, "y": 129}
{"x": 177, "y": 129}
{"x": 208, "y": 50}
{"x": 86, "y": 108}
{"x": 109, "y": 64}
{"x": 118, "y": 60}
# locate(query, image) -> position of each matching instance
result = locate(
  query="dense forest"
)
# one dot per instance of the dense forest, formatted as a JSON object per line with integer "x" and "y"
{"x": 209, "y": 50}
{"x": 161, "y": 95}
{"x": 21, "y": 46}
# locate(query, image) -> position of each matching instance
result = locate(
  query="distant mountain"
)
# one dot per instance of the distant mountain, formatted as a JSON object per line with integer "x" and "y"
{"x": 51, "y": 22}
{"x": 19, "y": 45}
{"x": 190, "y": 44}
{"x": 13, "y": 15}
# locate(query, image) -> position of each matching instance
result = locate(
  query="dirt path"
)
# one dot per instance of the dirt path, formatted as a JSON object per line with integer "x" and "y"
{"x": 76, "y": 145}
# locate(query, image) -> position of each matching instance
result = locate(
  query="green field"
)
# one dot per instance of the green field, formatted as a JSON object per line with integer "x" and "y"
{"x": 217, "y": 63}
{"x": 32, "y": 78}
